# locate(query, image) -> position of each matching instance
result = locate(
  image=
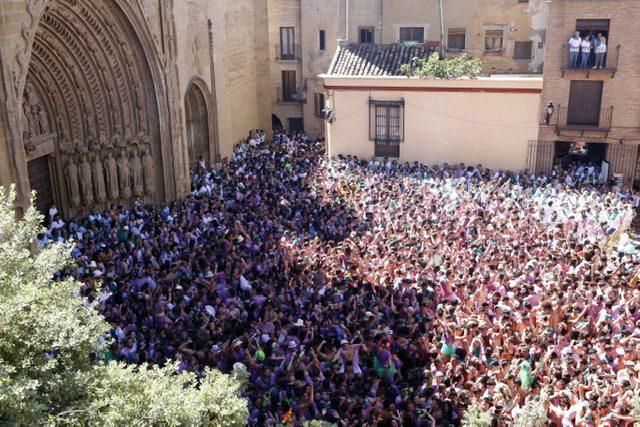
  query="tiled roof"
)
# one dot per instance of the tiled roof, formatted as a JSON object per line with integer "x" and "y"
{"x": 356, "y": 59}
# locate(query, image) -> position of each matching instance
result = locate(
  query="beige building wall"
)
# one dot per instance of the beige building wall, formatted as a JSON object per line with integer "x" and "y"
{"x": 520, "y": 22}
{"x": 241, "y": 65}
{"x": 488, "y": 121}
{"x": 285, "y": 13}
{"x": 317, "y": 15}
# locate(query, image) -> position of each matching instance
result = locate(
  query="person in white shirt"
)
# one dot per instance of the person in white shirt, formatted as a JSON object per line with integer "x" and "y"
{"x": 574, "y": 49}
{"x": 585, "y": 50}
{"x": 600, "y": 49}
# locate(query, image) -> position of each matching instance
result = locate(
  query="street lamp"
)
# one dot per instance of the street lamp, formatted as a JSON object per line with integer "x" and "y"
{"x": 550, "y": 109}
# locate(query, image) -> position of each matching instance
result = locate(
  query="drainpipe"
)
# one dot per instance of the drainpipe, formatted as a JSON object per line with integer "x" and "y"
{"x": 346, "y": 20}
{"x": 441, "y": 29}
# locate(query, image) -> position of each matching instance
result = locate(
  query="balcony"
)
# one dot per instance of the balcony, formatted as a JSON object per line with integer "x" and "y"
{"x": 294, "y": 54}
{"x": 290, "y": 96}
{"x": 610, "y": 63}
{"x": 584, "y": 119}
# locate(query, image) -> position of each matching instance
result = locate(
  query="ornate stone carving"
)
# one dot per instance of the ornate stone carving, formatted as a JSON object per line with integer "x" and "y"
{"x": 86, "y": 181}
{"x": 111, "y": 175}
{"x": 73, "y": 188}
{"x": 98, "y": 181}
{"x": 124, "y": 175}
{"x": 86, "y": 81}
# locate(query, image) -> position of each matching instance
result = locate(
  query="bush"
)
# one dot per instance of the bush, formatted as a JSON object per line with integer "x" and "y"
{"x": 47, "y": 336}
{"x": 434, "y": 67}
{"x": 474, "y": 416}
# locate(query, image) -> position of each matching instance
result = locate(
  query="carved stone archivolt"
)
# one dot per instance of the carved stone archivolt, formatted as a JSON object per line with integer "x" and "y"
{"x": 90, "y": 85}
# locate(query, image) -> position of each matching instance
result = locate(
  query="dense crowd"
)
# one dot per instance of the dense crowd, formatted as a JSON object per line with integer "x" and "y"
{"x": 377, "y": 293}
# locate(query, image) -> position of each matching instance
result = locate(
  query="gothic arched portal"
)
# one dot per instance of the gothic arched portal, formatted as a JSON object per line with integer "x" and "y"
{"x": 89, "y": 107}
{"x": 197, "y": 118}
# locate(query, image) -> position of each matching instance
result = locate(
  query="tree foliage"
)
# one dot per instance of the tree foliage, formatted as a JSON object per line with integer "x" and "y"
{"x": 474, "y": 416}
{"x": 47, "y": 337}
{"x": 450, "y": 68}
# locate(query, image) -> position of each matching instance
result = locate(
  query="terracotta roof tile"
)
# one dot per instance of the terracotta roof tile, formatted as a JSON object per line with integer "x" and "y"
{"x": 356, "y": 59}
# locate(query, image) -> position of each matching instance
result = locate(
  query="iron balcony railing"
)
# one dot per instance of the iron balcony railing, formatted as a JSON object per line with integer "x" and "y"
{"x": 610, "y": 62}
{"x": 584, "y": 119}
{"x": 291, "y": 96}
{"x": 292, "y": 54}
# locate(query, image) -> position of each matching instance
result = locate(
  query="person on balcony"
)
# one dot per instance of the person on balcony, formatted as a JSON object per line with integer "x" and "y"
{"x": 585, "y": 50}
{"x": 574, "y": 49}
{"x": 600, "y": 48}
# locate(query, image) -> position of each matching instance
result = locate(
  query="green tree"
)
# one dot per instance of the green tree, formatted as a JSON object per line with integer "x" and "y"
{"x": 47, "y": 336}
{"x": 451, "y": 68}
{"x": 474, "y": 416}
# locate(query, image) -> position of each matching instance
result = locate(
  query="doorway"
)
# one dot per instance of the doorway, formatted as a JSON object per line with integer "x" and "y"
{"x": 573, "y": 153}
{"x": 590, "y": 28}
{"x": 40, "y": 180}
{"x": 296, "y": 124}
{"x": 585, "y": 98}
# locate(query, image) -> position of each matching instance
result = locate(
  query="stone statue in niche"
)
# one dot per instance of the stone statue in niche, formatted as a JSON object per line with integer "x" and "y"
{"x": 148, "y": 168}
{"x": 33, "y": 121}
{"x": 43, "y": 121}
{"x": 25, "y": 120}
{"x": 124, "y": 175}
{"x": 86, "y": 181}
{"x": 71, "y": 177}
{"x": 137, "y": 174}
{"x": 111, "y": 173}
{"x": 98, "y": 181}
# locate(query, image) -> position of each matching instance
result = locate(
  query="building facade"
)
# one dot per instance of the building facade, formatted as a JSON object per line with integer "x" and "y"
{"x": 508, "y": 35}
{"x": 589, "y": 114}
{"x": 113, "y": 100}
{"x": 376, "y": 112}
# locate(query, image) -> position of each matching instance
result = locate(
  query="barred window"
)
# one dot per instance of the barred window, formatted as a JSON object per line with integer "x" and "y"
{"x": 319, "y": 104}
{"x": 386, "y": 121}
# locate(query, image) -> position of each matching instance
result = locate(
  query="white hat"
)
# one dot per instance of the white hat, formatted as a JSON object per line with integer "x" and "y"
{"x": 93, "y": 264}
{"x": 239, "y": 367}
{"x": 97, "y": 273}
{"x": 292, "y": 344}
{"x": 209, "y": 309}
{"x": 215, "y": 348}
{"x": 343, "y": 342}
{"x": 299, "y": 322}
{"x": 209, "y": 274}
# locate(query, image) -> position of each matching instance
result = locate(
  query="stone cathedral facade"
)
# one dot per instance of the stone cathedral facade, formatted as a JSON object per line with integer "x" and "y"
{"x": 106, "y": 101}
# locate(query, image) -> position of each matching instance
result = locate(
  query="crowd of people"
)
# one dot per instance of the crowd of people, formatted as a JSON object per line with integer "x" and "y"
{"x": 375, "y": 292}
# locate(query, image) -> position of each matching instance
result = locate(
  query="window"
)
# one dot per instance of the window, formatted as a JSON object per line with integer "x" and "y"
{"x": 318, "y": 102}
{"x": 493, "y": 40}
{"x": 289, "y": 93}
{"x": 412, "y": 34}
{"x": 585, "y": 99}
{"x": 321, "y": 37}
{"x": 386, "y": 126}
{"x": 523, "y": 1}
{"x": 523, "y": 50}
{"x": 287, "y": 43}
{"x": 456, "y": 39}
{"x": 365, "y": 34}
{"x": 296, "y": 124}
